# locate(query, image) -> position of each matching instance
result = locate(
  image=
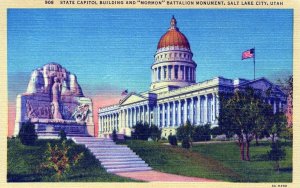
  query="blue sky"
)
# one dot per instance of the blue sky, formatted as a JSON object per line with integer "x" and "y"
{"x": 112, "y": 49}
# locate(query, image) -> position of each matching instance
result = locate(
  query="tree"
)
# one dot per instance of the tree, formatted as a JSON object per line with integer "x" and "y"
{"x": 278, "y": 123}
{"x": 241, "y": 114}
{"x": 286, "y": 85}
{"x": 141, "y": 131}
{"x": 27, "y": 134}
{"x": 155, "y": 133}
{"x": 276, "y": 154}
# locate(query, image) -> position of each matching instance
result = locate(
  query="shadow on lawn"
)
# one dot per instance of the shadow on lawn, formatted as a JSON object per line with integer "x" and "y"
{"x": 24, "y": 177}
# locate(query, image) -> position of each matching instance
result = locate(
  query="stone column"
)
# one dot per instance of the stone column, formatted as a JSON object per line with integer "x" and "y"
{"x": 163, "y": 115}
{"x": 217, "y": 107}
{"x": 185, "y": 111}
{"x": 144, "y": 114}
{"x": 135, "y": 115}
{"x": 213, "y": 106}
{"x": 149, "y": 115}
{"x": 205, "y": 109}
{"x": 126, "y": 118}
{"x": 158, "y": 115}
{"x": 158, "y": 73}
{"x": 198, "y": 110}
{"x": 192, "y": 111}
{"x": 174, "y": 116}
{"x": 168, "y": 114}
{"x": 100, "y": 124}
{"x": 129, "y": 117}
{"x": 179, "y": 113}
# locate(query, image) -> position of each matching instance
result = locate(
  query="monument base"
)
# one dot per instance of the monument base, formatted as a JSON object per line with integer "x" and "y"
{"x": 52, "y": 130}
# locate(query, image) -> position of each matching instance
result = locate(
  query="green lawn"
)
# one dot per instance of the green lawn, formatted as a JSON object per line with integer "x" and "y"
{"x": 216, "y": 161}
{"x": 259, "y": 169}
{"x": 24, "y": 165}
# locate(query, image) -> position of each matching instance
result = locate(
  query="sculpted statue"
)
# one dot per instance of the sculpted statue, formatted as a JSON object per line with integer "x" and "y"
{"x": 56, "y": 92}
{"x": 81, "y": 112}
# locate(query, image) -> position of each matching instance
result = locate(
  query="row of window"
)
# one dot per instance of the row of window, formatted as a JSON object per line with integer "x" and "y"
{"x": 165, "y": 73}
{"x": 168, "y": 55}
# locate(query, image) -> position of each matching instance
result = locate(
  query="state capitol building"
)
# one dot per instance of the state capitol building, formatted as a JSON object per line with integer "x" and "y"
{"x": 174, "y": 96}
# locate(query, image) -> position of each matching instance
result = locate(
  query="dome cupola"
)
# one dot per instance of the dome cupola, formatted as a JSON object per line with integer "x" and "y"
{"x": 173, "y": 37}
{"x": 173, "y": 64}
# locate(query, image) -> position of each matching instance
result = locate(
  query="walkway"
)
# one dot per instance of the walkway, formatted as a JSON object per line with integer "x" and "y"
{"x": 152, "y": 176}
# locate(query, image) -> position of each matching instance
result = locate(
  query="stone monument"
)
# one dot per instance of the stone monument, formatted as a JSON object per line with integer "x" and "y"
{"x": 54, "y": 101}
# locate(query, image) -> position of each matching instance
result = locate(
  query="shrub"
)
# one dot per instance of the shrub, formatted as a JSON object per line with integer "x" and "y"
{"x": 59, "y": 160}
{"x": 155, "y": 133}
{"x": 172, "y": 140}
{"x": 185, "y": 131}
{"x": 201, "y": 133}
{"x": 114, "y": 135}
{"x": 141, "y": 131}
{"x": 186, "y": 143}
{"x": 27, "y": 134}
{"x": 276, "y": 154}
{"x": 62, "y": 135}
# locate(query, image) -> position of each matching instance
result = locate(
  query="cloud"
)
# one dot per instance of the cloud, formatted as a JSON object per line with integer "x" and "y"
{"x": 11, "y": 118}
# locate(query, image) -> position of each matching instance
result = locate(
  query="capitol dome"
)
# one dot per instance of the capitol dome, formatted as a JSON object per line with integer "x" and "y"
{"x": 173, "y": 61}
{"x": 173, "y": 37}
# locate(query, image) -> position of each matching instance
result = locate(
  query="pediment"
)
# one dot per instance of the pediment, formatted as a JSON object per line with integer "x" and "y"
{"x": 132, "y": 98}
{"x": 264, "y": 85}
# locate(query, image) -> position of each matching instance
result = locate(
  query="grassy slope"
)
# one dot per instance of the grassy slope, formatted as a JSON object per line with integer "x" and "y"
{"x": 259, "y": 169}
{"x": 24, "y": 162}
{"x": 216, "y": 161}
{"x": 180, "y": 161}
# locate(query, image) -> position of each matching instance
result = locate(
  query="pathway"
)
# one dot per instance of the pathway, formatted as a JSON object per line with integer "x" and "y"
{"x": 155, "y": 176}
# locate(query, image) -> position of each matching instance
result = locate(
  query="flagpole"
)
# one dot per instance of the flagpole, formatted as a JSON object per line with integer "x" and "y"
{"x": 254, "y": 62}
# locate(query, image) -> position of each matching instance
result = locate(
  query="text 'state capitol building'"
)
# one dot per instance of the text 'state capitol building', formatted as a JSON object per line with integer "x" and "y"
{"x": 174, "y": 96}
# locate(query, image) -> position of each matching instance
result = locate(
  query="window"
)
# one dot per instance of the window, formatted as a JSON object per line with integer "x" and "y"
{"x": 176, "y": 72}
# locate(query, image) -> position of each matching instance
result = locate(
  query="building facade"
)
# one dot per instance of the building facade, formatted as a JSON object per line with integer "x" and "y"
{"x": 174, "y": 96}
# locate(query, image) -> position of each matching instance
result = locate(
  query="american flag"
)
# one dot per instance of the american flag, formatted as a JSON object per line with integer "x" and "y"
{"x": 248, "y": 54}
{"x": 125, "y": 92}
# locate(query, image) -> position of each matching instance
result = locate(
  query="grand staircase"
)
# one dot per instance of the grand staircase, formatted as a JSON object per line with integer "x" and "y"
{"x": 114, "y": 158}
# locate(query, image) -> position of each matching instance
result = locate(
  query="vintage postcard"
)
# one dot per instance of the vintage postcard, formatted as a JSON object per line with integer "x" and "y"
{"x": 191, "y": 93}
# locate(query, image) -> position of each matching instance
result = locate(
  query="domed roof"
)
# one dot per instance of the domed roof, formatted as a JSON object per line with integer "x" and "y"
{"x": 173, "y": 37}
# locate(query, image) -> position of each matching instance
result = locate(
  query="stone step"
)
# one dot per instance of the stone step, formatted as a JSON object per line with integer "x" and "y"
{"x": 121, "y": 159}
{"x": 114, "y": 154}
{"x": 113, "y": 150}
{"x": 111, "y": 158}
{"x": 94, "y": 142}
{"x": 90, "y": 138}
{"x": 134, "y": 169}
{"x": 122, "y": 162}
{"x": 110, "y": 149}
{"x": 117, "y": 157}
{"x": 126, "y": 166}
{"x": 106, "y": 146}
{"x": 114, "y": 158}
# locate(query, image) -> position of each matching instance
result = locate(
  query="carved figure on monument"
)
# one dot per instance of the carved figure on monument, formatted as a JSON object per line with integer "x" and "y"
{"x": 56, "y": 91}
{"x": 30, "y": 110}
{"x": 81, "y": 113}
